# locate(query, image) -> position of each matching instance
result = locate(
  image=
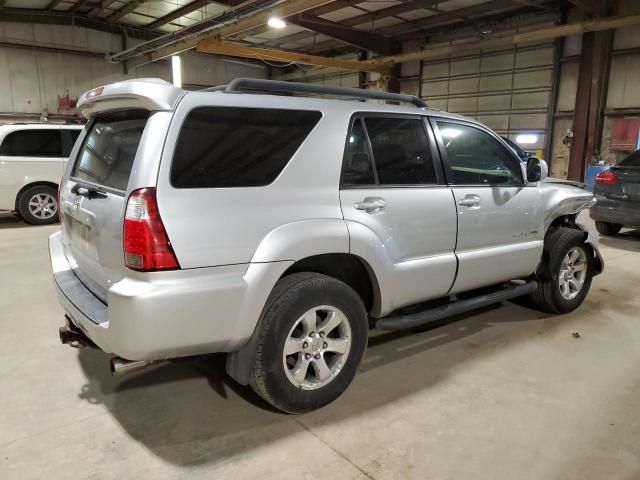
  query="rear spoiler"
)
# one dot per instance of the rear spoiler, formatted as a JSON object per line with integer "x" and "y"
{"x": 146, "y": 93}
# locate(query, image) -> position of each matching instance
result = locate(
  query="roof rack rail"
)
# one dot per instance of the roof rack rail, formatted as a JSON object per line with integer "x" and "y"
{"x": 242, "y": 84}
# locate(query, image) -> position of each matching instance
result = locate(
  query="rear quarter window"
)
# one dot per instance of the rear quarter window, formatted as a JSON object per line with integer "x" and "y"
{"x": 237, "y": 147}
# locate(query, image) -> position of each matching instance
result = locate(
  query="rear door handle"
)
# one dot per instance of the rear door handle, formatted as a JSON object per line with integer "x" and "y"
{"x": 470, "y": 201}
{"x": 370, "y": 205}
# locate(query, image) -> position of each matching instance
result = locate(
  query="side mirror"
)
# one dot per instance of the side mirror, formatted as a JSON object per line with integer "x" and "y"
{"x": 537, "y": 170}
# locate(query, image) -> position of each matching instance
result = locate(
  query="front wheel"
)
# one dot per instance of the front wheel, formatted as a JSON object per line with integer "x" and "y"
{"x": 313, "y": 333}
{"x": 565, "y": 276}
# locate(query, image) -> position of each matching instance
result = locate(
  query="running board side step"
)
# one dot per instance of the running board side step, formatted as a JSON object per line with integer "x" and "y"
{"x": 403, "y": 322}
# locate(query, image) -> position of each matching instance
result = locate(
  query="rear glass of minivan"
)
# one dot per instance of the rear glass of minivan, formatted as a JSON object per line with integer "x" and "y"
{"x": 109, "y": 148}
{"x": 237, "y": 147}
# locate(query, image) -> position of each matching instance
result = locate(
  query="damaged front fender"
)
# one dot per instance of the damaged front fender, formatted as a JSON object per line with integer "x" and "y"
{"x": 567, "y": 200}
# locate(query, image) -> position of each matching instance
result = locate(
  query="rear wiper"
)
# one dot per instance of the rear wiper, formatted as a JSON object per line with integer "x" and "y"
{"x": 88, "y": 192}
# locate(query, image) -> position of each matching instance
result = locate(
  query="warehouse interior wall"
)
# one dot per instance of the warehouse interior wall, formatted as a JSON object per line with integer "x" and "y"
{"x": 39, "y": 63}
{"x": 623, "y": 94}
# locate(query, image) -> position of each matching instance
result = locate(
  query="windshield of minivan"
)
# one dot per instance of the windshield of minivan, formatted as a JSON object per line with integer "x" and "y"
{"x": 107, "y": 154}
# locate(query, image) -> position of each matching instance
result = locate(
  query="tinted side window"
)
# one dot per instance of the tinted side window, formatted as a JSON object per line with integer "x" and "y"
{"x": 32, "y": 143}
{"x": 237, "y": 147}
{"x": 400, "y": 151}
{"x": 356, "y": 164}
{"x": 474, "y": 158}
{"x": 74, "y": 135}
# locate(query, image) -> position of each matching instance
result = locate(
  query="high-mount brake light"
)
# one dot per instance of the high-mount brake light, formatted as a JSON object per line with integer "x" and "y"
{"x": 146, "y": 245}
{"x": 96, "y": 92}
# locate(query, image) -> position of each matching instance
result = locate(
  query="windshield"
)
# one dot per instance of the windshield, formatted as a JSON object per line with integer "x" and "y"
{"x": 107, "y": 154}
{"x": 633, "y": 160}
{"x": 516, "y": 148}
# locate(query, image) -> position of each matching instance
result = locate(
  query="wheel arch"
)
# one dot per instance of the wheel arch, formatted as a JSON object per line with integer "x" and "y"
{"x": 349, "y": 269}
{"x": 33, "y": 184}
{"x": 569, "y": 221}
{"x": 346, "y": 267}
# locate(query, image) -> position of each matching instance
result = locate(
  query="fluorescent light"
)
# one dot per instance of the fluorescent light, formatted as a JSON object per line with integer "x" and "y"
{"x": 450, "y": 132}
{"x": 526, "y": 139}
{"x": 176, "y": 71}
{"x": 276, "y": 22}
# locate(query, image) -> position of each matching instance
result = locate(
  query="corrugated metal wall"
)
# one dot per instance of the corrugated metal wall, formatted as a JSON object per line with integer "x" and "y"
{"x": 31, "y": 80}
{"x": 507, "y": 90}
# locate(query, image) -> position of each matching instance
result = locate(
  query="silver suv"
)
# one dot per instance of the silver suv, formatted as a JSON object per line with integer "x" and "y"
{"x": 280, "y": 229}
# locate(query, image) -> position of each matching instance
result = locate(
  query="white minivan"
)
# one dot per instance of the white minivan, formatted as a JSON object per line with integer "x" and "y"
{"x": 32, "y": 160}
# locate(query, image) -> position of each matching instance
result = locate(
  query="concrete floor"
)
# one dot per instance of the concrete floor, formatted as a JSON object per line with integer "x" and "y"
{"x": 507, "y": 393}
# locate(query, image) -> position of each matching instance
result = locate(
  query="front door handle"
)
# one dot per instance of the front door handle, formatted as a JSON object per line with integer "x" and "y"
{"x": 470, "y": 201}
{"x": 370, "y": 205}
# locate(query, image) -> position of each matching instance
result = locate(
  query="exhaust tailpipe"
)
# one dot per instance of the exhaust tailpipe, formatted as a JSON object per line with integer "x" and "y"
{"x": 120, "y": 366}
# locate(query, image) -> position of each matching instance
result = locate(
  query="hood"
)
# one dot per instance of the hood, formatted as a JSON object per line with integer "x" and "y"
{"x": 563, "y": 181}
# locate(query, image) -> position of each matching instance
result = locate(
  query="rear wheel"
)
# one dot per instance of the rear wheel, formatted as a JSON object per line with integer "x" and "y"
{"x": 607, "y": 228}
{"x": 565, "y": 276}
{"x": 38, "y": 205}
{"x": 313, "y": 334}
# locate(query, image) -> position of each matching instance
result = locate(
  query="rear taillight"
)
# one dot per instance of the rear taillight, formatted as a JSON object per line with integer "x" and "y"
{"x": 146, "y": 245}
{"x": 606, "y": 178}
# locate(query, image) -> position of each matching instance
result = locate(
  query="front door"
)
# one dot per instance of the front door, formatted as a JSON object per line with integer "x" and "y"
{"x": 392, "y": 187}
{"x": 500, "y": 231}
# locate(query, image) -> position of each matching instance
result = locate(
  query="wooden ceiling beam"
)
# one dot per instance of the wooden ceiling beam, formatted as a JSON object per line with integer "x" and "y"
{"x": 233, "y": 50}
{"x": 244, "y": 24}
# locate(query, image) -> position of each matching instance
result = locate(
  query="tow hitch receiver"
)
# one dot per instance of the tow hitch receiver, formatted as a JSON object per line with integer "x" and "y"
{"x": 72, "y": 336}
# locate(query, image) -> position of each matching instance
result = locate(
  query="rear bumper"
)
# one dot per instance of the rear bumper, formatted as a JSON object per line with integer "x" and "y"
{"x": 167, "y": 314}
{"x": 612, "y": 211}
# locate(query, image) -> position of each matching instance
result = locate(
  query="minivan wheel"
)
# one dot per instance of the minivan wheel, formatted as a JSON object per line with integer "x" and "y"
{"x": 565, "y": 276}
{"x": 607, "y": 228}
{"x": 38, "y": 205}
{"x": 313, "y": 333}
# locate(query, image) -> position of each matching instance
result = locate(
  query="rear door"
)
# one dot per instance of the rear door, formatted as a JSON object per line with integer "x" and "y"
{"x": 392, "y": 184}
{"x": 94, "y": 197}
{"x": 500, "y": 231}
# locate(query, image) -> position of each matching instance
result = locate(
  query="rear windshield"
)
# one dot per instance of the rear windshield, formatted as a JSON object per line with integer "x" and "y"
{"x": 633, "y": 160}
{"x": 237, "y": 147}
{"x": 107, "y": 154}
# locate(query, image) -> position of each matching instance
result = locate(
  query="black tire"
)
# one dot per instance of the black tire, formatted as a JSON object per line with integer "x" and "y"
{"x": 607, "y": 228}
{"x": 50, "y": 215}
{"x": 290, "y": 299}
{"x": 548, "y": 297}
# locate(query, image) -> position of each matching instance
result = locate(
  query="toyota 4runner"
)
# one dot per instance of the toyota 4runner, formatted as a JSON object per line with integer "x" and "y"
{"x": 280, "y": 229}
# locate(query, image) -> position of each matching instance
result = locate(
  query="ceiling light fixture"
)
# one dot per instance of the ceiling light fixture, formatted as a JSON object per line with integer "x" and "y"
{"x": 276, "y": 22}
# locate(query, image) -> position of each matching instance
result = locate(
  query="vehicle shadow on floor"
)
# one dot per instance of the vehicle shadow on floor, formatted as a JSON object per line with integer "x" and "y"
{"x": 628, "y": 240}
{"x": 189, "y": 412}
{"x": 10, "y": 220}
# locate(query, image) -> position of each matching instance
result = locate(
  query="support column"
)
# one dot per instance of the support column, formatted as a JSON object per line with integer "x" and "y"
{"x": 588, "y": 119}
